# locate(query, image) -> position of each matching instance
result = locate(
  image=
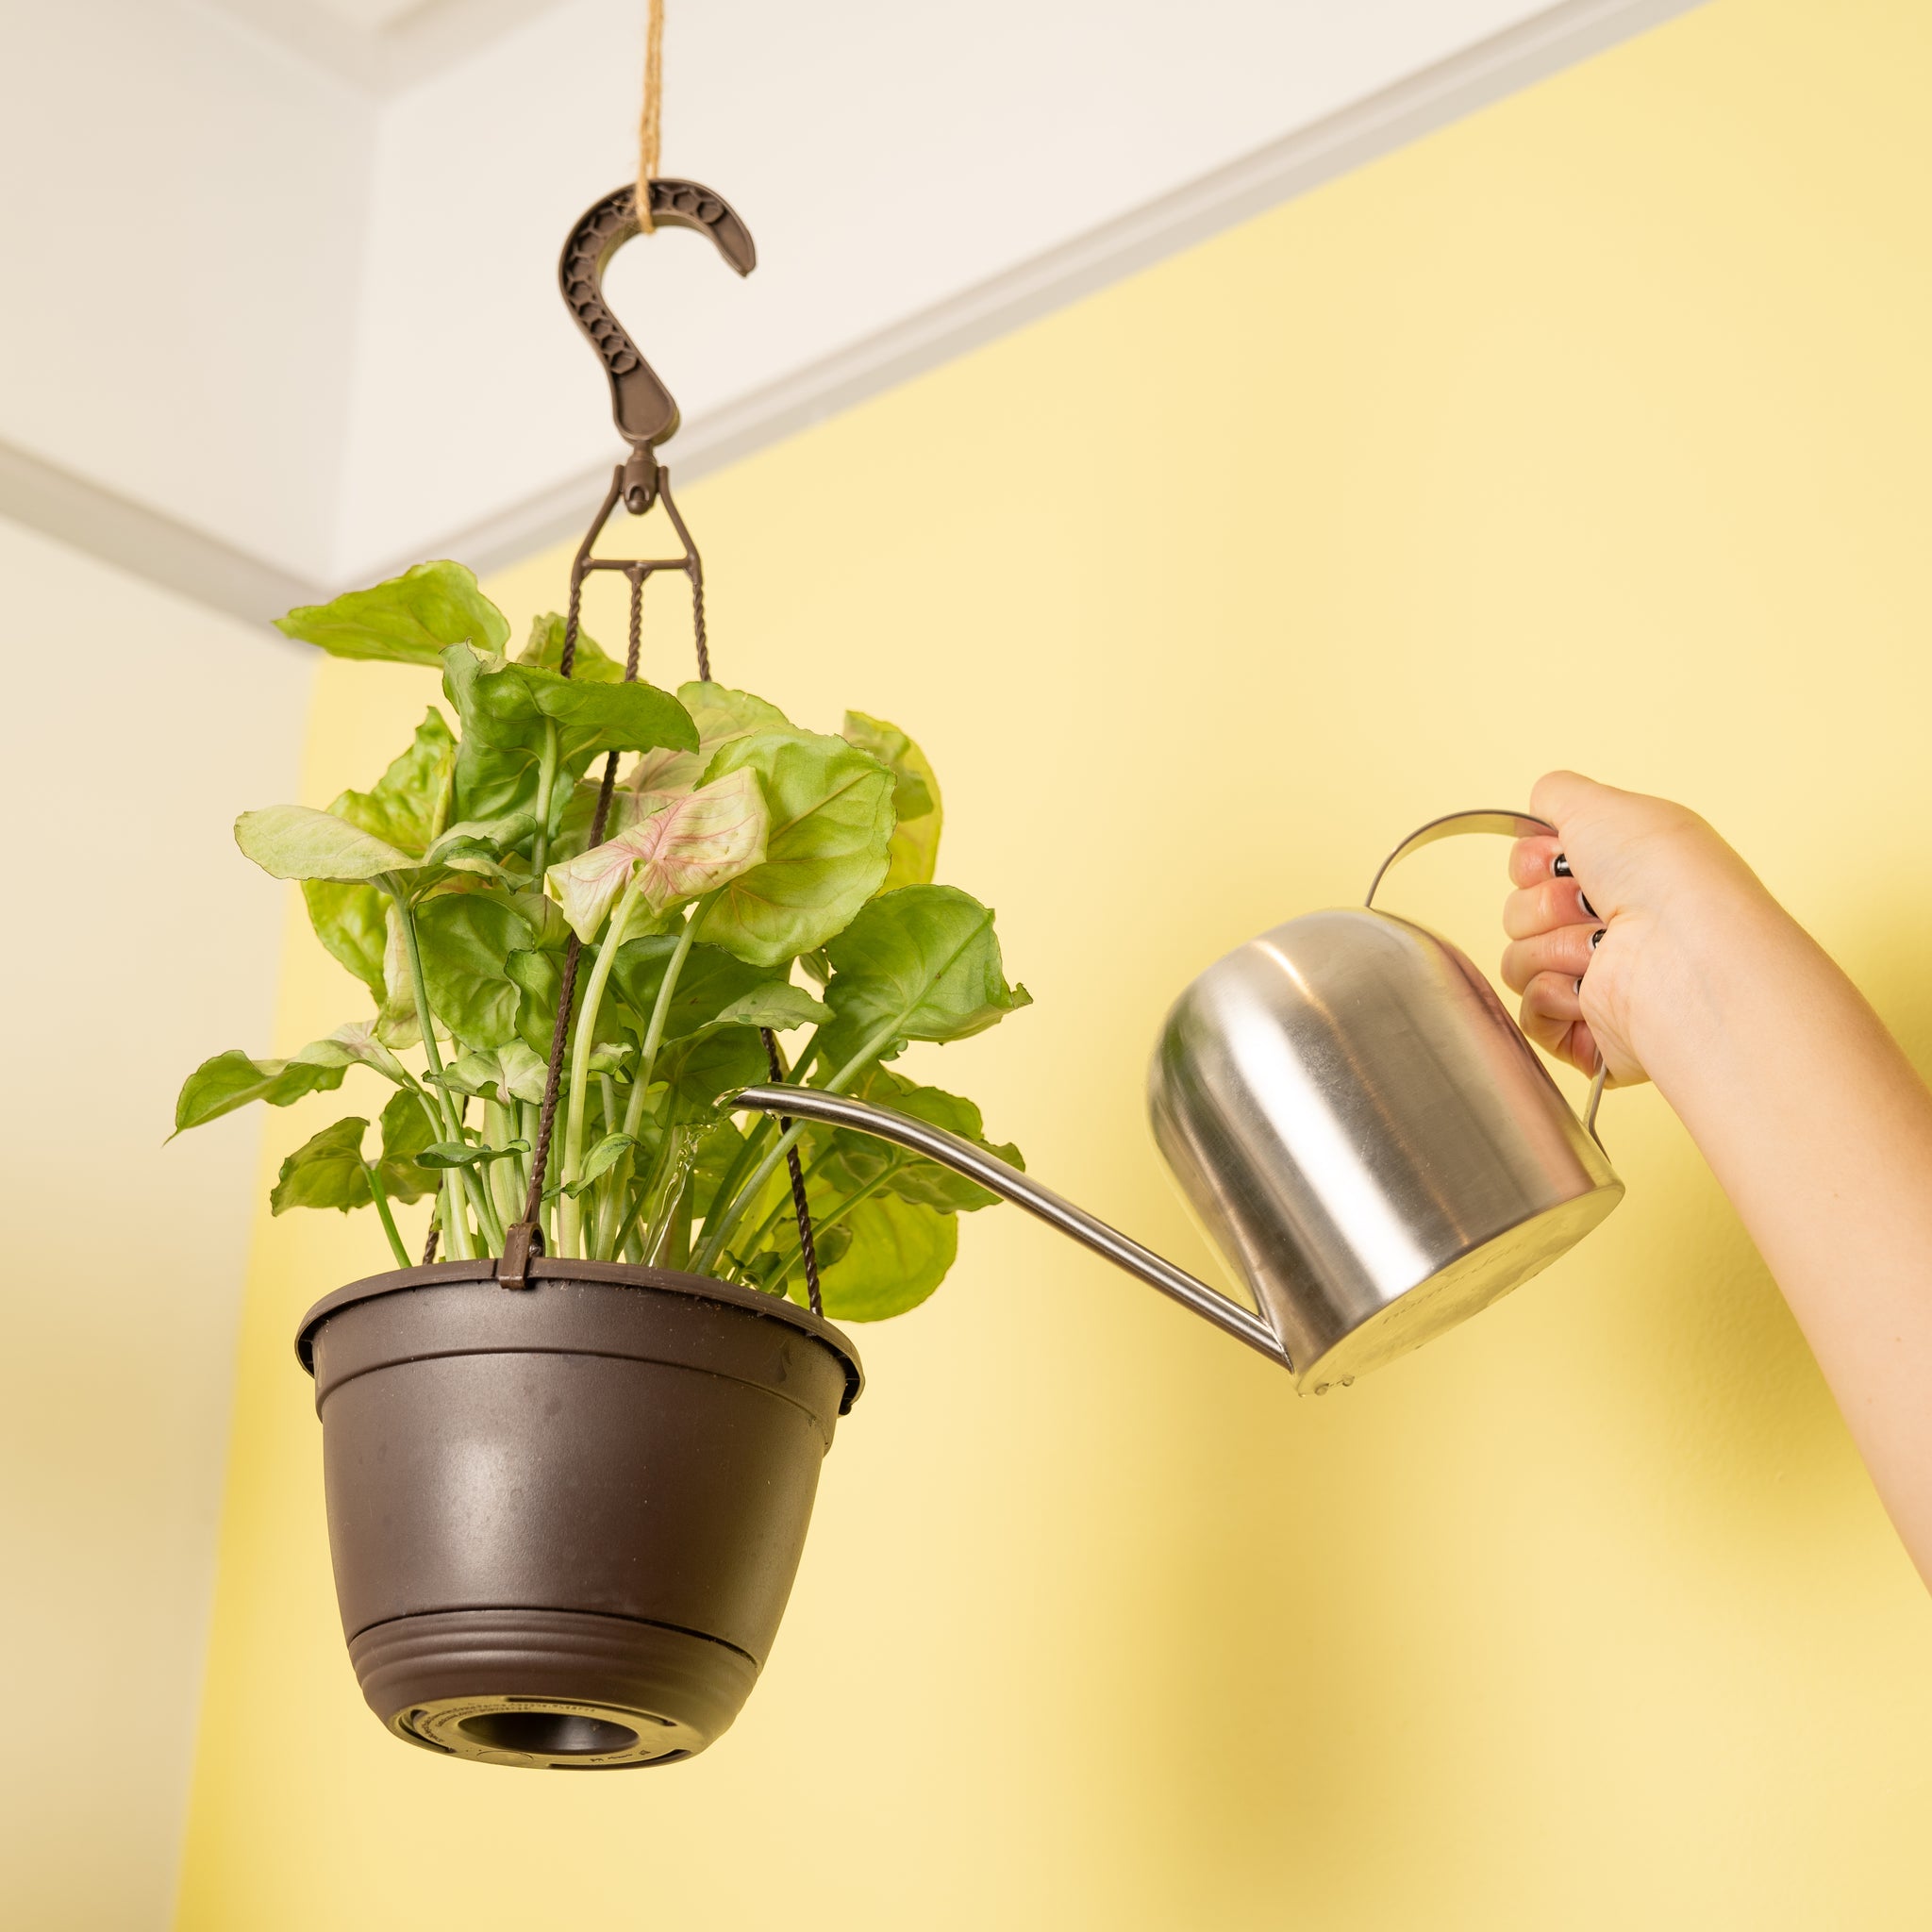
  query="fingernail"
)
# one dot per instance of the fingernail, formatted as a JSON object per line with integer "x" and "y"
{"x": 1560, "y": 866}
{"x": 1597, "y": 939}
{"x": 1583, "y": 900}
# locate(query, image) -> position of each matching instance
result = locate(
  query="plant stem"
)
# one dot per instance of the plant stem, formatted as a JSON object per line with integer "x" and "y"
{"x": 457, "y": 1230}
{"x": 570, "y": 1217}
{"x": 783, "y": 1206}
{"x": 379, "y": 1195}
{"x": 660, "y": 1007}
{"x": 665, "y": 1173}
{"x": 456, "y": 1225}
{"x": 673, "y": 1249}
{"x": 647, "y": 1063}
{"x": 497, "y": 1122}
{"x": 546, "y": 784}
{"x": 715, "y": 1238}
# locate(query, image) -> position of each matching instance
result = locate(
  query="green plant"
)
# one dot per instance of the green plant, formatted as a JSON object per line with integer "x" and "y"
{"x": 751, "y": 875}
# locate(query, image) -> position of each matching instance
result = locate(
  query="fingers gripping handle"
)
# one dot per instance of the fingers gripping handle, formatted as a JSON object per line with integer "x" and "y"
{"x": 1506, "y": 825}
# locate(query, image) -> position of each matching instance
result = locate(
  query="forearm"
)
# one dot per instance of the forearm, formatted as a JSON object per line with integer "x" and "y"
{"x": 1821, "y": 1133}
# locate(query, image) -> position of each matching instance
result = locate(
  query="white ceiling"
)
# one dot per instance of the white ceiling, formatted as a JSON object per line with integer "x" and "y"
{"x": 319, "y": 333}
{"x": 383, "y": 45}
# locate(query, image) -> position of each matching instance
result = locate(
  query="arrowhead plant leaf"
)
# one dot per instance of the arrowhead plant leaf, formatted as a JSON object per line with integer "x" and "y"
{"x": 292, "y": 841}
{"x": 590, "y": 663}
{"x": 830, "y": 807}
{"x": 231, "y": 1079}
{"x": 685, "y": 847}
{"x": 353, "y": 1046}
{"x": 733, "y": 848}
{"x": 918, "y": 814}
{"x": 920, "y": 963}
{"x": 720, "y": 715}
{"x": 409, "y": 620}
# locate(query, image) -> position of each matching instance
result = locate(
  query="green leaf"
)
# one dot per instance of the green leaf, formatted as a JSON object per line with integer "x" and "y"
{"x": 350, "y": 920}
{"x": 291, "y": 841}
{"x": 539, "y": 977}
{"x": 916, "y": 802}
{"x": 920, "y": 963}
{"x": 600, "y": 1160}
{"x": 353, "y": 1045}
{"x": 396, "y": 1021}
{"x": 476, "y": 844}
{"x": 443, "y": 1154}
{"x": 548, "y": 930}
{"x": 409, "y": 620}
{"x": 505, "y": 708}
{"x": 524, "y": 1074}
{"x": 590, "y": 665}
{"x": 689, "y": 844}
{"x": 326, "y": 1172}
{"x": 720, "y": 714}
{"x": 404, "y": 808}
{"x": 830, "y": 824}
{"x": 777, "y": 1004}
{"x": 407, "y": 805}
{"x": 899, "y": 1254}
{"x": 406, "y": 1131}
{"x": 709, "y": 982}
{"x": 466, "y": 939}
{"x": 852, "y": 1159}
{"x": 231, "y": 1079}
{"x": 713, "y": 1061}
{"x": 510, "y": 1071}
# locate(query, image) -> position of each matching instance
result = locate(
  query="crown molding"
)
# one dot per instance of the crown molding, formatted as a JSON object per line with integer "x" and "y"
{"x": 1265, "y": 179}
{"x": 151, "y": 544}
{"x": 42, "y": 496}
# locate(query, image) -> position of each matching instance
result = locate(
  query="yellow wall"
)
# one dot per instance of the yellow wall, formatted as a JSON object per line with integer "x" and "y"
{"x": 1592, "y": 430}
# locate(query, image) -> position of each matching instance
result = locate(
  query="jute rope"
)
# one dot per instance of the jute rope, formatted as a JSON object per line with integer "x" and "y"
{"x": 651, "y": 123}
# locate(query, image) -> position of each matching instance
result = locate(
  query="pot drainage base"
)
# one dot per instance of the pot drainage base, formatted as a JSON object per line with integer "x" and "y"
{"x": 541, "y": 1734}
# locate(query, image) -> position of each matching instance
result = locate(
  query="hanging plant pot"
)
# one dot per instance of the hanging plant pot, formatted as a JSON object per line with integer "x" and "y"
{"x": 565, "y": 1519}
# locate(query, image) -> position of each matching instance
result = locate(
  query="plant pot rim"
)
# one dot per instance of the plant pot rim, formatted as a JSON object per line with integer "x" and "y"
{"x": 612, "y": 1274}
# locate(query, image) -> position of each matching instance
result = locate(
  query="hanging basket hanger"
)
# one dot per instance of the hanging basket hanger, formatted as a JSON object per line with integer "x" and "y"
{"x": 645, "y": 411}
{"x": 646, "y": 415}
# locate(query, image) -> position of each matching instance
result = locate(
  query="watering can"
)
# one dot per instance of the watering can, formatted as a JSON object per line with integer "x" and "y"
{"x": 1369, "y": 1140}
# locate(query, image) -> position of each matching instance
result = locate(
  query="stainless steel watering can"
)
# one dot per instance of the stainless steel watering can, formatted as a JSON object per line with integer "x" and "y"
{"x": 1368, "y": 1138}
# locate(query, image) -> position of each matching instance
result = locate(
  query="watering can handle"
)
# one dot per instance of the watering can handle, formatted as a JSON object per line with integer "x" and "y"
{"x": 1507, "y": 824}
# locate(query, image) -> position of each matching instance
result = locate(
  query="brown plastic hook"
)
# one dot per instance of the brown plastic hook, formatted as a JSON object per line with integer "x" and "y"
{"x": 646, "y": 410}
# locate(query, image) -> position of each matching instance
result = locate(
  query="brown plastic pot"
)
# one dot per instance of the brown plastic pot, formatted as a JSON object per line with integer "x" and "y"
{"x": 565, "y": 1519}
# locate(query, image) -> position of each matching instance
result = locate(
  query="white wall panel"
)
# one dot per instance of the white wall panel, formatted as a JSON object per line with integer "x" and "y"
{"x": 182, "y": 231}
{"x": 138, "y": 941}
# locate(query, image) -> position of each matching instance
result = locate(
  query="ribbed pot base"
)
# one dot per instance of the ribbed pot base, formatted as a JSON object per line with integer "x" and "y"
{"x": 550, "y": 1689}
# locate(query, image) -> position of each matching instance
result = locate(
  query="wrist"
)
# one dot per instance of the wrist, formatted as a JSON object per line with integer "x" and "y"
{"x": 1707, "y": 963}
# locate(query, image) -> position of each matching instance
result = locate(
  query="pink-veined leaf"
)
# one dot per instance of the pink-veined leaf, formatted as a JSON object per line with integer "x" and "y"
{"x": 721, "y": 714}
{"x": 687, "y": 845}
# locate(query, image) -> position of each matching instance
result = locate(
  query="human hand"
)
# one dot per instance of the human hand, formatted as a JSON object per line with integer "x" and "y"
{"x": 1596, "y": 954}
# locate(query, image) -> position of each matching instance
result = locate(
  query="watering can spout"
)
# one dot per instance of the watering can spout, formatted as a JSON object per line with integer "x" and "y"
{"x": 1363, "y": 1130}
{"x": 1000, "y": 1177}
